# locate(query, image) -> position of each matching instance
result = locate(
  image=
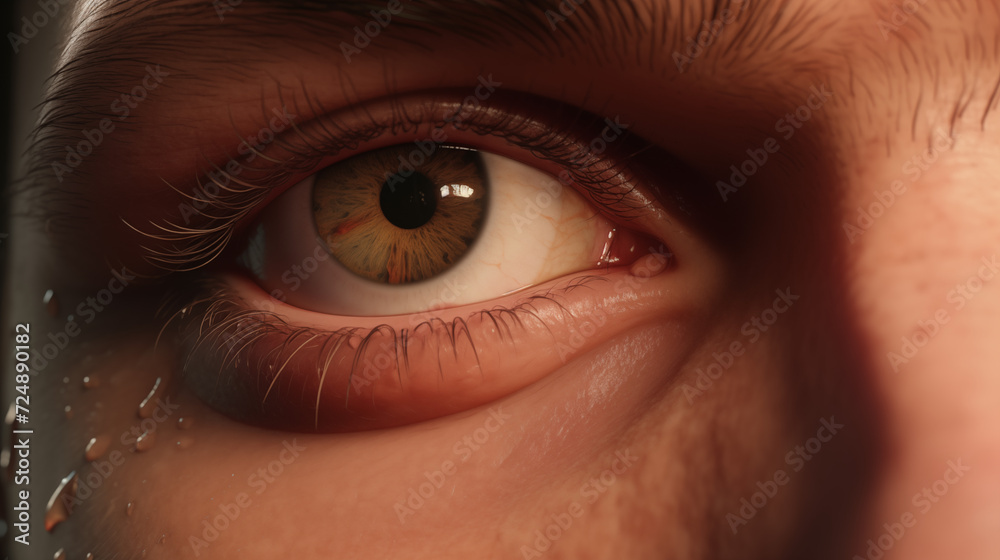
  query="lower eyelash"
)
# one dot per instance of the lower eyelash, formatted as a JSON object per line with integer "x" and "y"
{"x": 202, "y": 324}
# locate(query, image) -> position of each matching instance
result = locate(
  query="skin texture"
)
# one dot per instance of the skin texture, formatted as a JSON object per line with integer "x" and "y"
{"x": 634, "y": 399}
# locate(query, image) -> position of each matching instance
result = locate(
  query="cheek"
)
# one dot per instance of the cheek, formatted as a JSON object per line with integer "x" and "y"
{"x": 210, "y": 487}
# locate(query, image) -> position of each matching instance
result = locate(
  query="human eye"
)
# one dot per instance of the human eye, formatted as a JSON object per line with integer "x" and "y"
{"x": 413, "y": 260}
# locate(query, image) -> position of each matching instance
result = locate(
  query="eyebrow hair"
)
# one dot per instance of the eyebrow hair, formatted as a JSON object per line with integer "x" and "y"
{"x": 105, "y": 38}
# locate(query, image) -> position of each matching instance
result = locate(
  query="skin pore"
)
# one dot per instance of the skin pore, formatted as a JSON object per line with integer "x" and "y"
{"x": 804, "y": 370}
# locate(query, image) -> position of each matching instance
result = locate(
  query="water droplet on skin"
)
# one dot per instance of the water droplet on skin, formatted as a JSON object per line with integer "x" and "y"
{"x": 57, "y": 510}
{"x": 69, "y": 412}
{"x": 184, "y": 443}
{"x": 129, "y": 508}
{"x": 149, "y": 403}
{"x": 90, "y": 556}
{"x": 145, "y": 441}
{"x": 353, "y": 342}
{"x": 185, "y": 423}
{"x": 60, "y": 555}
{"x": 91, "y": 382}
{"x": 162, "y": 539}
{"x": 96, "y": 447}
{"x": 51, "y": 303}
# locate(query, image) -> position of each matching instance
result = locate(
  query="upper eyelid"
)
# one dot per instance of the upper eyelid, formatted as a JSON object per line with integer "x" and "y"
{"x": 224, "y": 200}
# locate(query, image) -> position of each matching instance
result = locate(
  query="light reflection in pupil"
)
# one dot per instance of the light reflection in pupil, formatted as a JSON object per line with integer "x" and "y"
{"x": 409, "y": 202}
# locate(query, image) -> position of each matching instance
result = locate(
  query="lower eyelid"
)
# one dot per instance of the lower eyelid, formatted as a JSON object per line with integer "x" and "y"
{"x": 296, "y": 370}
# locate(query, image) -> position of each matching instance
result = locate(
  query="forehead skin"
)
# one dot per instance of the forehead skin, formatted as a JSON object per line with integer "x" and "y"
{"x": 897, "y": 80}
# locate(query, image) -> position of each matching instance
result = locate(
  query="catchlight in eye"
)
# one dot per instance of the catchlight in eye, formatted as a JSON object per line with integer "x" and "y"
{"x": 393, "y": 225}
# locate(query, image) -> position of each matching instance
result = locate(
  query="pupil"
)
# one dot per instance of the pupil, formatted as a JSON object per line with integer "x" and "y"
{"x": 408, "y": 202}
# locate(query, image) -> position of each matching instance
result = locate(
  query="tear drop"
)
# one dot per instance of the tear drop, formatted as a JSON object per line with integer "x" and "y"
{"x": 162, "y": 539}
{"x": 51, "y": 303}
{"x": 96, "y": 447}
{"x": 185, "y": 423}
{"x": 149, "y": 403}
{"x": 184, "y": 443}
{"x": 129, "y": 508}
{"x": 145, "y": 441}
{"x": 57, "y": 510}
{"x": 91, "y": 382}
{"x": 90, "y": 556}
{"x": 60, "y": 555}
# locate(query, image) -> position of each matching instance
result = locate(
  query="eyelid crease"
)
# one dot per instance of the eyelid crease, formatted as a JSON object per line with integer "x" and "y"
{"x": 559, "y": 139}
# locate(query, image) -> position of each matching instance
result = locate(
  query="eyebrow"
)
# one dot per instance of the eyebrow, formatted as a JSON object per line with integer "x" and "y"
{"x": 105, "y": 38}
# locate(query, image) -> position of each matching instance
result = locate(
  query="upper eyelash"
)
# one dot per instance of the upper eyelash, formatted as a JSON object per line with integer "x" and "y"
{"x": 605, "y": 178}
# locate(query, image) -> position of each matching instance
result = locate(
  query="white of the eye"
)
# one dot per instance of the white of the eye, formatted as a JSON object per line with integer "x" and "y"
{"x": 535, "y": 229}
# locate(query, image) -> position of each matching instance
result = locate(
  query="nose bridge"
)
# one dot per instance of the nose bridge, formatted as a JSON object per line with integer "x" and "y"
{"x": 922, "y": 235}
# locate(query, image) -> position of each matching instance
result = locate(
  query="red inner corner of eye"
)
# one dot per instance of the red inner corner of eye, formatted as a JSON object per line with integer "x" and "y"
{"x": 628, "y": 246}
